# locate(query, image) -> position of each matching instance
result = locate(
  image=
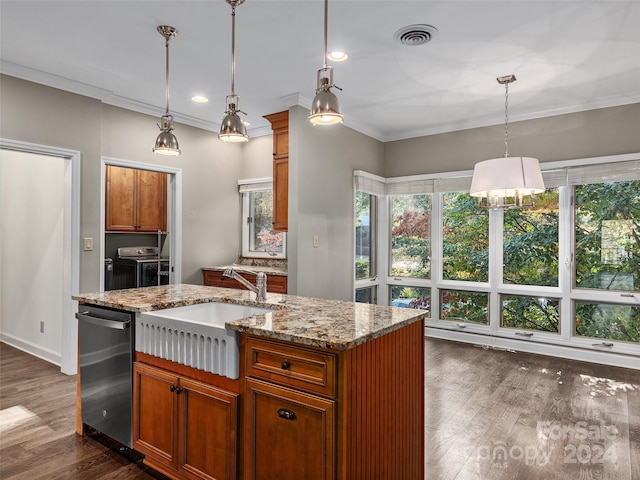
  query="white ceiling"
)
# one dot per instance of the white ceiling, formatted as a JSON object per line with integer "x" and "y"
{"x": 568, "y": 56}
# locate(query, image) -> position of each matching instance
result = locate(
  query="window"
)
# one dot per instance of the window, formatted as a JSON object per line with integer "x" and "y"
{"x": 411, "y": 236}
{"x": 530, "y": 243}
{"x": 607, "y": 250}
{"x": 366, "y": 265}
{"x": 410, "y": 297}
{"x": 464, "y": 306}
{"x": 607, "y": 236}
{"x": 365, "y": 215}
{"x": 465, "y": 239}
{"x": 531, "y": 313}
{"x": 565, "y": 272}
{"x": 258, "y": 240}
{"x": 367, "y": 295}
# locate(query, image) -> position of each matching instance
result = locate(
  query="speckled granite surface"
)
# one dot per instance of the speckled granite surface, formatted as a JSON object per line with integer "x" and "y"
{"x": 268, "y": 269}
{"x": 309, "y": 321}
{"x": 270, "y": 266}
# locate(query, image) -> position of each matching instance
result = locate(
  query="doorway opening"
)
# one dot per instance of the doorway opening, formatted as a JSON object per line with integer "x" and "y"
{"x": 40, "y": 254}
{"x": 168, "y": 240}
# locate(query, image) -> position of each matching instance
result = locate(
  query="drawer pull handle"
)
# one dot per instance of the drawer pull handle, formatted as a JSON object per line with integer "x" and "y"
{"x": 286, "y": 414}
{"x": 286, "y": 365}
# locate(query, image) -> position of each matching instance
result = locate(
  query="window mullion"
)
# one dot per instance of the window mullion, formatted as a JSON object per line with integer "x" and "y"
{"x": 246, "y": 213}
{"x": 384, "y": 247}
{"x": 566, "y": 252}
{"x": 436, "y": 254}
{"x": 496, "y": 243}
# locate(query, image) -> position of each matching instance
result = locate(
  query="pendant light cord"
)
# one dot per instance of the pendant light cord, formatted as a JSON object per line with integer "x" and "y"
{"x": 506, "y": 120}
{"x": 326, "y": 15}
{"x": 233, "y": 50}
{"x": 167, "y": 73}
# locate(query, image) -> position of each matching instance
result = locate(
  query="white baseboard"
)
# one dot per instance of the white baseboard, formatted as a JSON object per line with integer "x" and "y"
{"x": 570, "y": 353}
{"x": 32, "y": 349}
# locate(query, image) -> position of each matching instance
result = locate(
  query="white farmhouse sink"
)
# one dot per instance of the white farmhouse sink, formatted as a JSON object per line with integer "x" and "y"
{"x": 195, "y": 335}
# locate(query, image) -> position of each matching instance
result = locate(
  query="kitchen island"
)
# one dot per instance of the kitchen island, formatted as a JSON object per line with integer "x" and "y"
{"x": 327, "y": 389}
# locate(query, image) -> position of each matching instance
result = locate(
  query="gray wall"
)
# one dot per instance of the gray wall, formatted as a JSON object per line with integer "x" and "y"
{"x": 47, "y": 116}
{"x": 210, "y": 173}
{"x": 258, "y": 157}
{"x": 321, "y": 165}
{"x": 322, "y": 161}
{"x": 594, "y": 133}
{"x": 211, "y": 209}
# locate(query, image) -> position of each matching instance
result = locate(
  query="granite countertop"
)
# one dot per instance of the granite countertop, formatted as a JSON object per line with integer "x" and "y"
{"x": 270, "y": 266}
{"x": 310, "y": 321}
{"x": 269, "y": 270}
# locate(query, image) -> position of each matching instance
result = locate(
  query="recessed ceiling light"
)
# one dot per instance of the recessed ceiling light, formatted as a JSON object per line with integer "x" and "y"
{"x": 337, "y": 56}
{"x": 199, "y": 99}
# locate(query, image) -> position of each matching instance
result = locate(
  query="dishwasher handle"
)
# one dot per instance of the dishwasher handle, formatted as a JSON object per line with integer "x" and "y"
{"x": 103, "y": 322}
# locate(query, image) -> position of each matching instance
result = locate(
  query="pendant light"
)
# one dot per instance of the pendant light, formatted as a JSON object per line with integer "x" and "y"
{"x": 167, "y": 143}
{"x": 233, "y": 128}
{"x": 508, "y": 182}
{"x": 325, "y": 109}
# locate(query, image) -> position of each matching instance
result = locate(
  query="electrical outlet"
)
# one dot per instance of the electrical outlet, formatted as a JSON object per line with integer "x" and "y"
{"x": 88, "y": 244}
{"x": 42, "y": 327}
{"x": 316, "y": 241}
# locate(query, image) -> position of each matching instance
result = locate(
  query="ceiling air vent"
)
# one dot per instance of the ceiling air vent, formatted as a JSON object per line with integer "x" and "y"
{"x": 414, "y": 35}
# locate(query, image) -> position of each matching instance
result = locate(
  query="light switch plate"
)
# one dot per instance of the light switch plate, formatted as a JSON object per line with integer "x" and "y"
{"x": 316, "y": 241}
{"x": 88, "y": 244}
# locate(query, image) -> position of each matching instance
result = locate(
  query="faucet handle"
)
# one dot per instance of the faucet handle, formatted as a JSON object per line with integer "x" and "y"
{"x": 261, "y": 286}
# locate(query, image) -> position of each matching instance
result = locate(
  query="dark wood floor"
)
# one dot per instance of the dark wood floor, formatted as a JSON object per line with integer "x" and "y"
{"x": 490, "y": 415}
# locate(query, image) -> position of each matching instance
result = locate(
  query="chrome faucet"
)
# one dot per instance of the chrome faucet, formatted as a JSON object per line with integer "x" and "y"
{"x": 260, "y": 288}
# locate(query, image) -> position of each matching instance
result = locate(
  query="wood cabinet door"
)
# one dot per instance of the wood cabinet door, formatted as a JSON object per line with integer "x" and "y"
{"x": 135, "y": 200}
{"x": 208, "y": 432}
{"x": 281, "y": 142}
{"x": 120, "y": 199}
{"x": 289, "y": 434}
{"x": 155, "y": 409}
{"x": 152, "y": 201}
{"x": 280, "y": 126}
{"x": 280, "y": 194}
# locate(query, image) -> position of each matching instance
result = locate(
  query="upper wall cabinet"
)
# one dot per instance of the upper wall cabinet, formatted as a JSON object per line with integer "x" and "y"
{"x": 280, "y": 126}
{"x": 136, "y": 200}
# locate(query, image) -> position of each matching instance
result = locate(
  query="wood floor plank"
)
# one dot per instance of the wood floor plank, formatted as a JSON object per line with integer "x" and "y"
{"x": 480, "y": 403}
{"x": 37, "y": 426}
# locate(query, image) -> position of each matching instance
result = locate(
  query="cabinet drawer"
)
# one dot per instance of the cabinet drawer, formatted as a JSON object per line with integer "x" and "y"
{"x": 298, "y": 367}
{"x": 214, "y": 278}
{"x": 277, "y": 284}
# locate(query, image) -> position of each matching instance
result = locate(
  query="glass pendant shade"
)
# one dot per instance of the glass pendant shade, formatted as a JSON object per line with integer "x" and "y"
{"x": 507, "y": 182}
{"x": 166, "y": 143}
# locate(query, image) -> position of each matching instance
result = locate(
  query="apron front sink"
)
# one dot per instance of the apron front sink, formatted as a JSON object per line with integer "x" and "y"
{"x": 195, "y": 335}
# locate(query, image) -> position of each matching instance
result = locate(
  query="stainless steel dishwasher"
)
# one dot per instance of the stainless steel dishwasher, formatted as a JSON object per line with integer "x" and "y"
{"x": 106, "y": 370}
